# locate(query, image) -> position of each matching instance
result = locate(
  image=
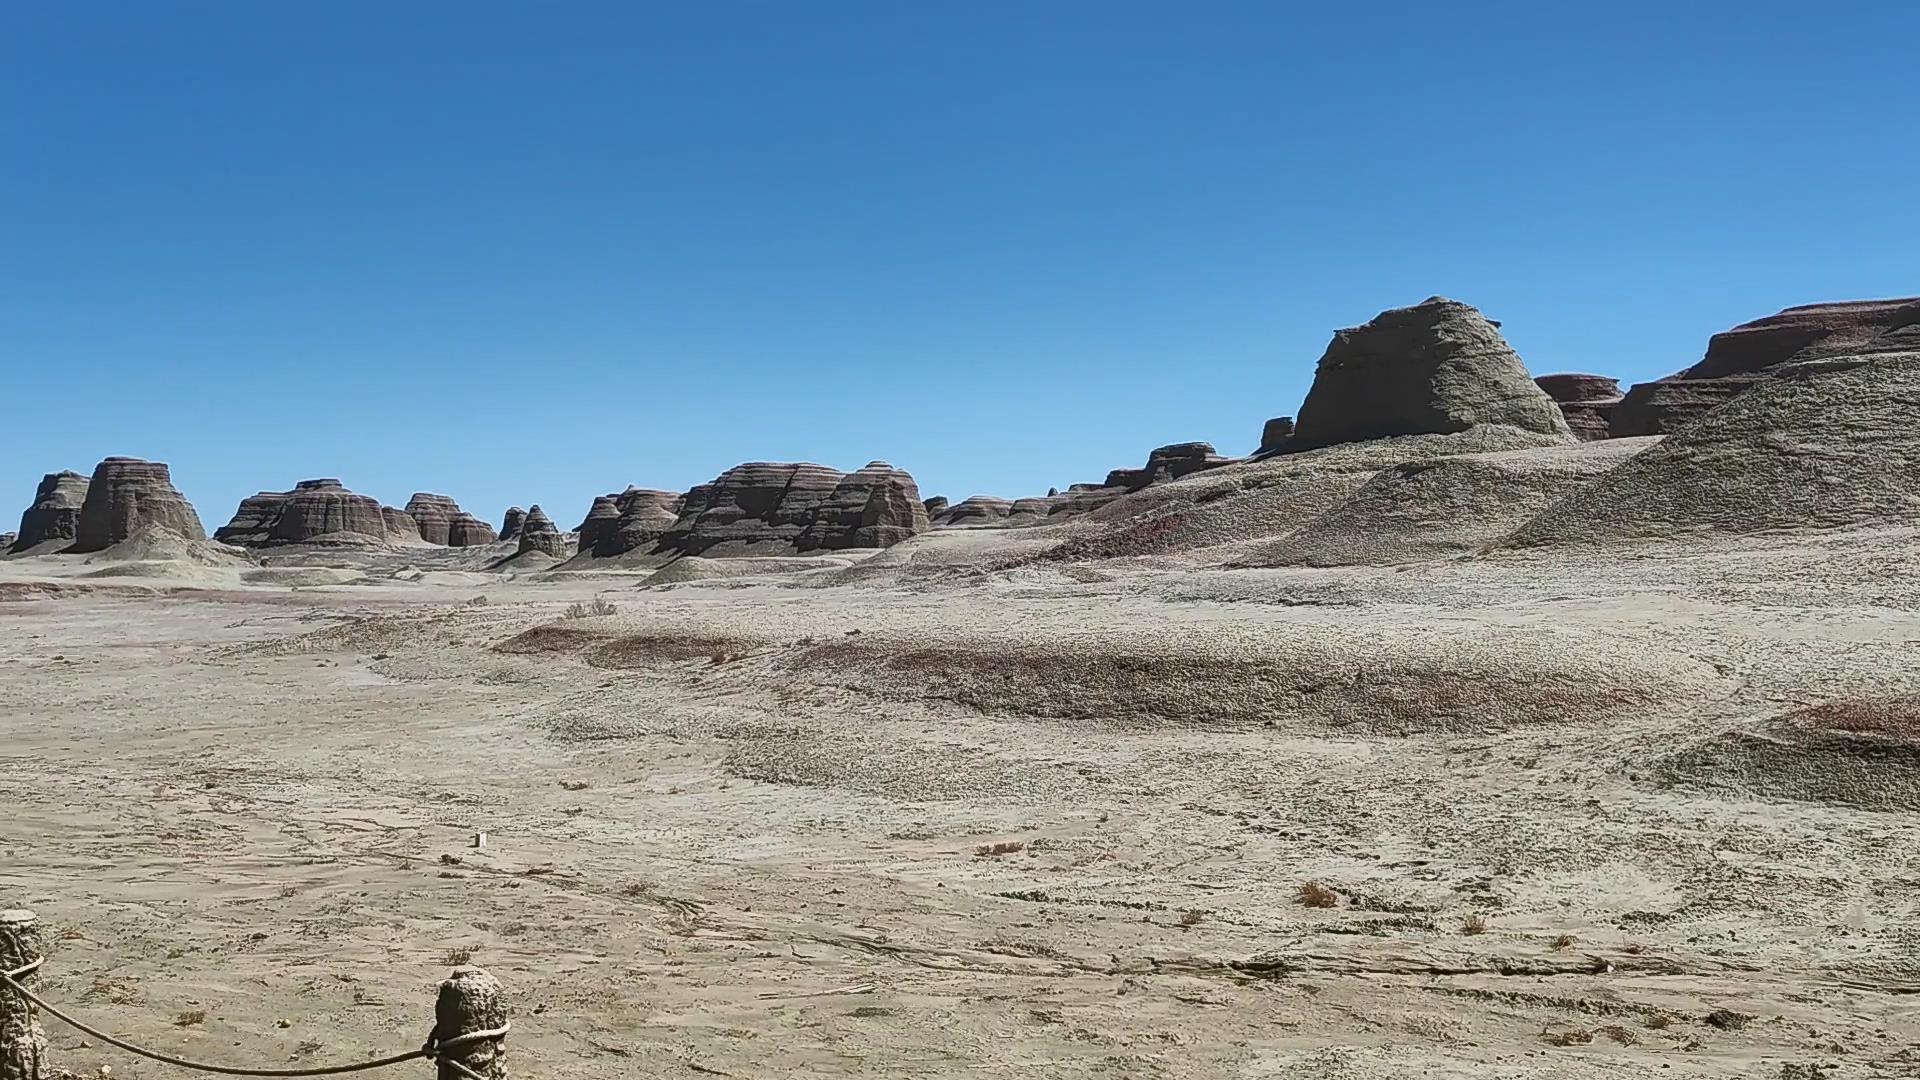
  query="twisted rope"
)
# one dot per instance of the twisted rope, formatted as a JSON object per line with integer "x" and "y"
{"x": 433, "y": 1048}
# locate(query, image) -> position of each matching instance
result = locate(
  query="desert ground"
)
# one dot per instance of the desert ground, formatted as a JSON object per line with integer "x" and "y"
{"x": 925, "y": 813}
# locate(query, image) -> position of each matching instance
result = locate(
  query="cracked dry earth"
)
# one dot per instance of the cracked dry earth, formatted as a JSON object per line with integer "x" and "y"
{"x": 761, "y": 830}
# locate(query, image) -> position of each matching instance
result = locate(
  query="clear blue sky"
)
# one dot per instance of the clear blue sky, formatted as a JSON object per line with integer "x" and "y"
{"x": 520, "y": 252}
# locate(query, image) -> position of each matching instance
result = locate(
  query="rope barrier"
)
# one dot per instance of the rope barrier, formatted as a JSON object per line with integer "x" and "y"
{"x": 433, "y": 1049}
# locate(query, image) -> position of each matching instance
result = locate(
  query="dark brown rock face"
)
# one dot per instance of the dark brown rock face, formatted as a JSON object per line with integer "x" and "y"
{"x": 399, "y": 522}
{"x": 1275, "y": 436}
{"x": 873, "y": 507}
{"x": 758, "y": 504}
{"x": 645, "y": 516}
{"x": 538, "y": 533}
{"x": 1434, "y": 368}
{"x": 978, "y": 510}
{"x": 55, "y": 513}
{"x": 600, "y": 532}
{"x": 1749, "y": 353}
{"x": 1031, "y": 510}
{"x": 441, "y": 521}
{"x": 1587, "y": 401}
{"x": 321, "y": 510}
{"x": 1163, "y": 463}
{"x": 510, "y": 525}
{"x": 935, "y": 506}
{"x": 128, "y": 496}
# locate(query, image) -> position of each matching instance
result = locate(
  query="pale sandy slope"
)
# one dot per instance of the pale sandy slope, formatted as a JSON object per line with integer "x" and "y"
{"x": 733, "y": 828}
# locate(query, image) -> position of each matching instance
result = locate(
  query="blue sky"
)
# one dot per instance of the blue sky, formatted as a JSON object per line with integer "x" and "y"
{"x": 524, "y": 253}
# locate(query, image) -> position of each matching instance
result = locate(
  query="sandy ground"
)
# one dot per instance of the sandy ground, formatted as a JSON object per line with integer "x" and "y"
{"x": 1032, "y": 823}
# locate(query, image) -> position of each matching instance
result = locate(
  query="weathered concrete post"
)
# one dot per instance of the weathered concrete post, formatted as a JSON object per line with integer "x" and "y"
{"x": 470, "y": 1000}
{"x": 23, "y": 1045}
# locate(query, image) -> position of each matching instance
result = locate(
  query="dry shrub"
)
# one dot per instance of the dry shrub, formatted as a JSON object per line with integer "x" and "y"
{"x": 1192, "y": 917}
{"x": 1575, "y": 1037}
{"x": 1003, "y": 847}
{"x": 191, "y": 1018}
{"x": 574, "y": 785}
{"x": 1475, "y": 923}
{"x": 457, "y": 957}
{"x": 576, "y": 610}
{"x": 1564, "y": 941}
{"x": 1660, "y": 1021}
{"x": 1313, "y": 894}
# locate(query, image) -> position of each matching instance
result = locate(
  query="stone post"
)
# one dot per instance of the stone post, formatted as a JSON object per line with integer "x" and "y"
{"x": 23, "y": 1045}
{"x": 470, "y": 1000}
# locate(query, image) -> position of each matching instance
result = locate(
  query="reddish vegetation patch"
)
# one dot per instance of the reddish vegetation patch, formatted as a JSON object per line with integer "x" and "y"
{"x": 549, "y": 639}
{"x": 1892, "y": 717}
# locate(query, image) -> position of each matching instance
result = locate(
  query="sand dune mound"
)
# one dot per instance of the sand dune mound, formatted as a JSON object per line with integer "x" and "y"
{"x": 690, "y": 568}
{"x": 1447, "y": 506}
{"x": 1823, "y": 444}
{"x": 162, "y": 545}
{"x": 1862, "y": 753}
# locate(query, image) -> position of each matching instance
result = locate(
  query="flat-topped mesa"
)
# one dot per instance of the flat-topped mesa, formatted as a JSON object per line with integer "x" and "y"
{"x": 54, "y": 516}
{"x": 1436, "y": 368}
{"x": 465, "y": 530}
{"x": 600, "y": 530}
{"x": 976, "y": 511}
{"x": 315, "y": 510}
{"x": 874, "y": 506}
{"x": 399, "y": 522}
{"x": 1031, "y": 510}
{"x": 538, "y": 533}
{"x": 128, "y": 496}
{"x": 510, "y": 524}
{"x": 1751, "y": 352}
{"x": 1587, "y": 401}
{"x": 645, "y": 516}
{"x": 760, "y": 506}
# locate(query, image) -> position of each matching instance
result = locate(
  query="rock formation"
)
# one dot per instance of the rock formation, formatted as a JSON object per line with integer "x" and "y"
{"x": 315, "y": 510}
{"x": 751, "y": 508}
{"x": 600, "y": 532}
{"x": 1434, "y": 368}
{"x": 645, "y": 516}
{"x": 7, "y": 540}
{"x": 875, "y": 506}
{"x": 399, "y": 522}
{"x": 538, "y": 533}
{"x": 1275, "y": 436}
{"x": 127, "y": 496}
{"x": 441, "y": 521}
{"x": 55, "y": 513}
{"x": 976, "y": 511}
{"x": 935, "y": 506}
{"x": 1587, "y": 401}
{"x": 510, "y": 525}
{"x": 1031, "y": 510}
{"x": 1750, "y": 352}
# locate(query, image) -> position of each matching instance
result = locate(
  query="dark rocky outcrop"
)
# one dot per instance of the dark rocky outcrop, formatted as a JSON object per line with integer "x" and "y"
{"x": 976, "y": 511}
{"x": 935, "y": 506}
{"x": 399, "y": 522}
{"x": 441, "y": 521}
{"x": 751, "y": 508}
{"x": 600, "y": 531}
{"x": 1275, "y": 436}
{"x": 538, "y": 533}
{"x": 1435, "y": 368}
{"x": 54, "y": 516}
{"x": 1751, "y": 352}
{"x": 1587, "y": 401}
{"x": 645, "y": 516}
{"x": 875, "y": 506}
{"x": 128, "y": 496}
{"x": 315, "y": 510}
{"x": 7, "y": 540}
{"x": 510, "y": 525}
{"x": 1031, "y": 510}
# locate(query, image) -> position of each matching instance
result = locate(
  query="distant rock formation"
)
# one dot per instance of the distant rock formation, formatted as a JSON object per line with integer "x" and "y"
{"x": 645, "y": 516}
{"x": 55, "y": 513}
{"x": 1031, "y": 510}
{"x": 935, "y": 506}
{"x": 128, "y": 496}
{"x": 600, "y": 531}
{"x": 538, "y": 533}
{"x": 977, "y": 511}
{"x": 7, "y": 540}
{"x": 315, "y": 510}
{"x": 441, "y": 521}
{"x": 399, "y": 522}
{"x": 1587, "y": 401}
{"x": 1275, "y": 436}
{"x": 875, "y": 506}
{"x": 1738, "y": 358}
{"x": 1434, "y": 368}
{"x": 758, "y": 505}
{"x": 511, "y": 524}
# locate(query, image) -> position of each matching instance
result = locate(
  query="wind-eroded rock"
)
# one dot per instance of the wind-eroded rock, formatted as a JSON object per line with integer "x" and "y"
{"x": 976, "y": 511}
{"x": 128, "y": 496}
{"x": 646, "y": 515}
{"x": 1434, "y": 368}
{"x": 600, "y": 531}
{"x": 875, "y": 506}
{"x": 511, "y": 524}
{"x": 751, "y": 508}
{"x": 55, "y": 513}
{"x": 936, "y": 506}
{"x": 1587, "y": 401}
{"x": 538, "y": 533}
{"x": 1736, "y": 359}
{"x": 315, "y": 510}
{"x": 441, "y": 521}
